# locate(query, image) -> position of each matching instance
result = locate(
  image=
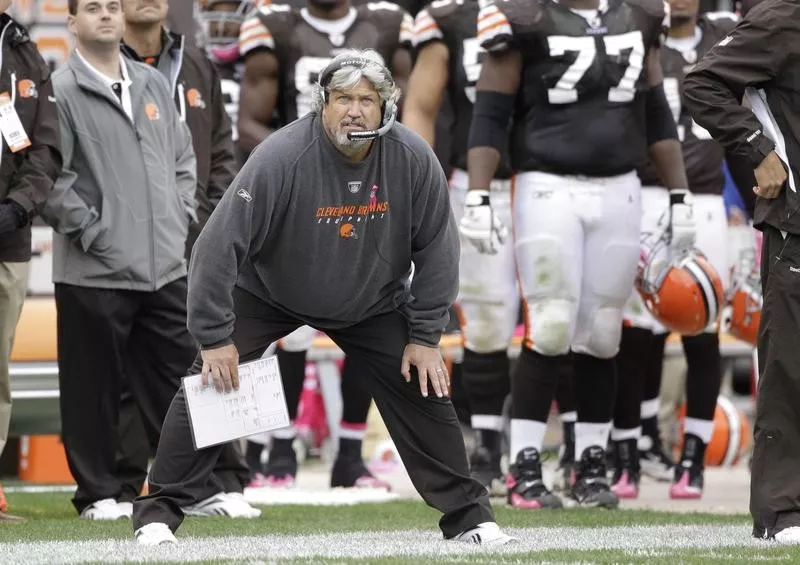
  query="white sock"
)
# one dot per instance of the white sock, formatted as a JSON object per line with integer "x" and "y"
{"x": 526, "y": 433}
{"x": 487, "y": 422}
{"x": 284, "y": 433}
{"x": 569, "y": 416}
{"x": 349, "y": 430}
{"x": 649, "y": 408}
{"x": 701, "y": 428}
{"x": 587, "y": 435}
{"x": 620, "y": 435}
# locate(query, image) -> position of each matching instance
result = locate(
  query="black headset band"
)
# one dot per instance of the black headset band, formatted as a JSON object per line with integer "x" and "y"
{"x": 326, "y": 76}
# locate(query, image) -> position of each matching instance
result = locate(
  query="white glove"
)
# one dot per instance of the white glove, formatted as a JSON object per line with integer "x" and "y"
{"x": 682, "y": 231}
{"x": 480, "y": 225}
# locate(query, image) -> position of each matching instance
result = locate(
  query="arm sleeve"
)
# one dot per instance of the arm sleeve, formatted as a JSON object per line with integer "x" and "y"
{"x": 223, "y": 158}
{"x": 751, "y": 55}
{"x": 435, "y": 253}
{"x": 41, "y": 162}
{"x": 65, "y": 211}
{"x": 185, "y": 167}
{"x": 254, "y": 35}
{"x": 237, "y": 228}
{"x": 426, "y": 30}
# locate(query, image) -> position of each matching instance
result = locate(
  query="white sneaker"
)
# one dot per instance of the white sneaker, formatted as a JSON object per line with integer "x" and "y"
{"x": 125, "y": 509}
{"x": 789, "y": 536}
{"x": 155, "y": 533}
{"x": 105, "y": 509}
{"x": 231, "y": 504}
{"x": 487, "y": 533}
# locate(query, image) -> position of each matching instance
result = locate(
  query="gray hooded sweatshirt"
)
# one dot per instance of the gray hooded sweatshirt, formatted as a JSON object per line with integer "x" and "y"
{"x": 327, "y": 240}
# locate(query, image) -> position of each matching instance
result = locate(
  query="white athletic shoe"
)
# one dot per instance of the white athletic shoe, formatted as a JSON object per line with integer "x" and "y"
{"x": 789, "y": 536}
{"x": 487, "y": 533}
{"x": 155, "y": 533}
{"x": 105, "y": 509}
{"x": 231, "y": 504}
{"x": 125, "y": 509}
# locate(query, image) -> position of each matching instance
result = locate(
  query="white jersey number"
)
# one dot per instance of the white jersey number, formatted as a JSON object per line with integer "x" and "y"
{"x": 472, "y": 65}
{"x": 230, "y": 95}
{"x": 565, "y": 91}
{"x": 305, "y": 74}
{"x": 673, "y": 92}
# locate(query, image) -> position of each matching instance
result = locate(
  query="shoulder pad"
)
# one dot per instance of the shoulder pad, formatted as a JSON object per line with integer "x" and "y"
{"x": 259, "y": 30}
{"x": 721, "y": 23}
{"x": 391, "y": 19}
{"x": 501, "y": 20}
{"x": 426, "y": 28}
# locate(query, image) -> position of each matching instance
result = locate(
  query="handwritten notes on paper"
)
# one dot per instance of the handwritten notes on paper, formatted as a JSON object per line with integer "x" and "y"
{"x": 258, "y": 406}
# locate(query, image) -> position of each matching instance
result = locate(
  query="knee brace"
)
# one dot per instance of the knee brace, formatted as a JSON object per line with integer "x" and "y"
{"x": 300, "y": 339}
{"x": 601, "y": 339}
{"x": 488, "y": 326}
{"x": 551, "y": 326}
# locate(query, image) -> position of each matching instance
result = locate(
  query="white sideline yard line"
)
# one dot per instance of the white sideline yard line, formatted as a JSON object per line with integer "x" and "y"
{"x": 408, "y": 543}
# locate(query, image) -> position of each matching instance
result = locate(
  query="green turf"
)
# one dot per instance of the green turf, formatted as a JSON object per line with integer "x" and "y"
{"x": 717, "y": 556}
{"x": 51, "y": 516}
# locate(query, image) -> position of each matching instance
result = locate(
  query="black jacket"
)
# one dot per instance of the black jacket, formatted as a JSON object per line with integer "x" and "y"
{"x": 27, "y": 177}
{"x": 760, "y": 61}
{"x": 198, "y": 96}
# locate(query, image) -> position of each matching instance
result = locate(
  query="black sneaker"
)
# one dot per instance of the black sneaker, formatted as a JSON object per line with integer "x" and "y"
{"x": 526, "y": 489}
{"x": 625, "y": 478}
{"x": 654, "y": 461}
{"x": 281, "y": 468}
{"x": 485, "y": 468}
{"x": 688, "y": 479}
{"x": 591, "y": 482}
{"x": 352, "y": 473}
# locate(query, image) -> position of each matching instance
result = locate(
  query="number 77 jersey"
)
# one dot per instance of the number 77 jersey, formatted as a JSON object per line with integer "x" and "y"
{"x": 580, "y": 105}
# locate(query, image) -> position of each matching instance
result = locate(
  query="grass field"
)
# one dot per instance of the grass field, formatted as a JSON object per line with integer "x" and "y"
{"x": 392, "y": 532}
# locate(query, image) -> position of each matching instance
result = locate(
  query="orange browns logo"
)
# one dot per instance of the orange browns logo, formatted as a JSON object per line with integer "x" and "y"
{"x": 347, "y": 231}
{"x": 27, "y": 89}
{"x": 195, "y": 99}
{"x": 152, "y": 112}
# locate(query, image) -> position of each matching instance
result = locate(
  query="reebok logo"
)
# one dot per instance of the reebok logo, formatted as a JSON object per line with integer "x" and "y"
{"x": 244, "y": 194}
{"x": 753, "y": 135}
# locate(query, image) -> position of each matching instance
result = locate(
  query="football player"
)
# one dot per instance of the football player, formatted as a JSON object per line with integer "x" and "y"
{"x": 448, "y": 62}
{"x": 635, "y": 434}
{"x": 284, "y": 49}
{"x": 580, "y": 81}
{"x": 221, "y": 22}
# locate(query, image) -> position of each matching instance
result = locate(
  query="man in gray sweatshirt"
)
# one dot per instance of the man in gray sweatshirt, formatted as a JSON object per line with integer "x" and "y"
{"x": 321, "y": 227}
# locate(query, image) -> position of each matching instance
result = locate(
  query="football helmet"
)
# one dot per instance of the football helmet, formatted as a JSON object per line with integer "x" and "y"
{"x": 220, "y": 28}
{"x": 744, "y": 300}
{"x": 682, "y": 291}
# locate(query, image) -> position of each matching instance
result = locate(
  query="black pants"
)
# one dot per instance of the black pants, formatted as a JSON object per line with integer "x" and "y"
{"x": 103, "y": 334}
{"x": 134, "y": 451}
{"x": 774, "y": 480}
{"x": 425, "y": 430}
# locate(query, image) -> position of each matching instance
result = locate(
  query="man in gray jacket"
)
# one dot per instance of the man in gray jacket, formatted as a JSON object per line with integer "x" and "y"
{"x": 121, "y": 209}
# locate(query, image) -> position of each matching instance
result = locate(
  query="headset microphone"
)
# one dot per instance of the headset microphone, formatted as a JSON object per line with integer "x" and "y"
{"x": 375, "y": 133}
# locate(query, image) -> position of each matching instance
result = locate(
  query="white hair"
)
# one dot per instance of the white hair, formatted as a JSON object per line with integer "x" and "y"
{"x": 348, "y": 77}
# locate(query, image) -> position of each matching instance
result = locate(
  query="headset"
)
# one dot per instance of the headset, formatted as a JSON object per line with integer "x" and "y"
{"x": 388, "y": 109}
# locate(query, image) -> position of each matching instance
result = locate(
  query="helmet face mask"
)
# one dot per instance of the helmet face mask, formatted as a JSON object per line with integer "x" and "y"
{"x": 744, "y": 299}
{"x": 221, "y": 27}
